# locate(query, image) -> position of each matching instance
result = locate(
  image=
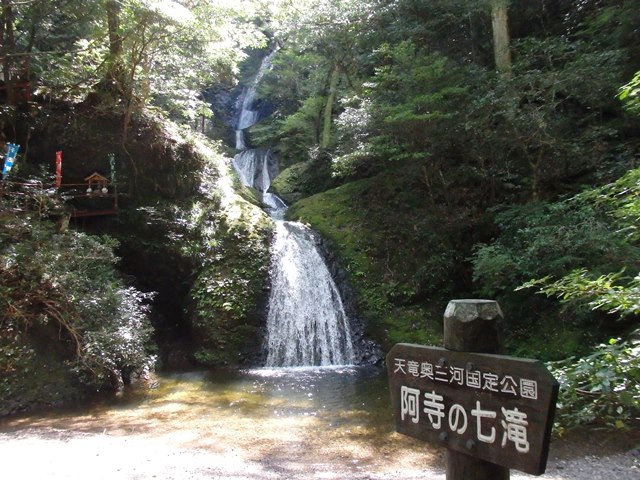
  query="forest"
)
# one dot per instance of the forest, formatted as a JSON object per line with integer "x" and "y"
{"x": 442, "y": 148}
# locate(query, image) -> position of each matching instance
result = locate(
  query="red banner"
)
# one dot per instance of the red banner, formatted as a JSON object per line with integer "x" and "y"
{"x": 58, "y": 169}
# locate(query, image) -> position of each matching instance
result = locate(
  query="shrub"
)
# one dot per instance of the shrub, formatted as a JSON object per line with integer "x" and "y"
{"x": 601, "y": 388}
{"x": 61, "y": 295}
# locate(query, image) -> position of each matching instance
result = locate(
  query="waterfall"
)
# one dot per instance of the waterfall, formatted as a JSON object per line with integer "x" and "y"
{"x": 256, "y": 168}
{"x": 306, "y": 323}
{"x": 306, "y": 320}
{"x": 247, "y": 115}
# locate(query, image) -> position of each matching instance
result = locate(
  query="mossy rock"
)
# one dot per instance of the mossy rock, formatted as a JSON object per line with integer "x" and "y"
{"x": 304, "y": 179}
{"x": 289, "y": 184}
{"x": 228, "y": 296}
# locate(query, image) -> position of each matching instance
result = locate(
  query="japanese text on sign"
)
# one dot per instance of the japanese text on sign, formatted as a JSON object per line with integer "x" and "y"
{"x": 492, "y": 407}
{"x": 468, "y": 377}
{"x": 513, "y": 422}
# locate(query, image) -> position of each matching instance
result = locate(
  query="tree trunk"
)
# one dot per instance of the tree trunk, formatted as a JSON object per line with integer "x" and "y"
{"x": 114, "y": 80}
{"x": 328, "y": 109}
{"x": 500, "y": 25}
{"x": 8, "y": 48}
{"x": 536, "y": 166}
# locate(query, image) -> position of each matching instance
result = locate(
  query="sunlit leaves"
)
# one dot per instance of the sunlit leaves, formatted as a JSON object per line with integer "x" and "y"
{"x": 326, "y": 24}
{"x": 617, "y": 292}
{"x": 167, "y": 46}
{"x": 64, "y": 286}
{"x": 613, "y": 292}
{"x": 630, "y": 94}
{"x": 602, "y": 388}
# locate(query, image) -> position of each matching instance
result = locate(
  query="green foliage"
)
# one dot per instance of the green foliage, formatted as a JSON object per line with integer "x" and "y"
{"x": 620, "y": 200}
{"x": 549, "y": 338}
{"x": 612, "y": 292}
{"x": 412, "y": 325}
{"x": 414, "y": 103}
{"x": 563, "y": 241}
{"x": 602, "y": 388}
{"x": 60, "y": 293}
{"x": 297, "y": 89}
{"x": 169, "y": 51}
{"x": 602, "y": 282}
{"x": 453, "y": 153}
{"x": 293, "y": 77}
{"x": 630, "y": 94}
{"x": 301, "y": 129}
{"x": 540, "y": 239}
{"x": 354, "y": 149}
{"x": 530, "y": 131}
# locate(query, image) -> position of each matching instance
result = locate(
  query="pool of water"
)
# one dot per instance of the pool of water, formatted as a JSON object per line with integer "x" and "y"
{"x": 332, "y": 396}
{"x": 318, "y": 398}
{"x": 258, "y": 424}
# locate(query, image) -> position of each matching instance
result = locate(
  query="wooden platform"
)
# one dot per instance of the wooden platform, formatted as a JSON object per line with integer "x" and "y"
{"x": 93, "y": 213}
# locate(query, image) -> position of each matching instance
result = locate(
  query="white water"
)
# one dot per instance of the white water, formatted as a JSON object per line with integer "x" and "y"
{"x": 306, "y": 321}
{"x": 256, "y": 168}
{"x": 247, "y": 115}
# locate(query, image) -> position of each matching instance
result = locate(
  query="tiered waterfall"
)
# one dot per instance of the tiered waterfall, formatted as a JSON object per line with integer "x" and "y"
{"x": 306, "y": 321}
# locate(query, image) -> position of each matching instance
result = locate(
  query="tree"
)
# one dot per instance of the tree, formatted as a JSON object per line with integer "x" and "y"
{"x": 328, "y": 109}
{"x": 164, "y": 53}
{"x": 114, "y": 78}
{"x": 131, "y": 52}
{"x": 500, "y": 25}
{"x": 330, "y": 30}
{"x": 8, "y": 50}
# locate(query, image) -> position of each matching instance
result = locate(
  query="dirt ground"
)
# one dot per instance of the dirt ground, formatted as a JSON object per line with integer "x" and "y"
{"x": 179, "y": 441}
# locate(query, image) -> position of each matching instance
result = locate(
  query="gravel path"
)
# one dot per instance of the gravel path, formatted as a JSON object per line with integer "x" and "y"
{"x": 188, "y": 430}
{"x": 60, "y": 453}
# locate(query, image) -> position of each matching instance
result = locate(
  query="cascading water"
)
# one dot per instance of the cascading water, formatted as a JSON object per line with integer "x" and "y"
{"x": 306, "y": 321}
{"x": 256, "y": 168}
{"x": 247, "y": 115}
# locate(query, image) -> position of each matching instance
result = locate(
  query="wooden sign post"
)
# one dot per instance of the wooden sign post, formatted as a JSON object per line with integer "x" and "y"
{"x": 491, "y": 412}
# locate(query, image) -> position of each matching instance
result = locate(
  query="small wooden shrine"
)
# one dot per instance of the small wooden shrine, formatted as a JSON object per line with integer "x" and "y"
{"x": 91, "y": 202}
{"x": 97, "y": 184}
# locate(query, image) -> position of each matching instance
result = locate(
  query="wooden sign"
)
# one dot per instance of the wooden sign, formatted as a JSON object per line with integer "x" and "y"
{"x": 496, "y": 408}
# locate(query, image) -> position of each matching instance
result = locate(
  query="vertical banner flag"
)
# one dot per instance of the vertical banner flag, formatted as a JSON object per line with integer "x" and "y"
{"x": 10, "y": 158}
{"x": 58, "y": 169}
{"x": 112, "y": 162}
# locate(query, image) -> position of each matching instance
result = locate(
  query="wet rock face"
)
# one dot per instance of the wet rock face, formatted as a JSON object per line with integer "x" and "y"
{"x": 222, "y": 101}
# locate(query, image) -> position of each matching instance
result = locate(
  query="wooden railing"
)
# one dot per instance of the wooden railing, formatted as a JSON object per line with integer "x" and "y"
{"x": 34, "y": 192}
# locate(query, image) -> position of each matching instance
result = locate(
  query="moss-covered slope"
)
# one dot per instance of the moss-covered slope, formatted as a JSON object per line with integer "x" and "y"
{"x": 401, "y": 257}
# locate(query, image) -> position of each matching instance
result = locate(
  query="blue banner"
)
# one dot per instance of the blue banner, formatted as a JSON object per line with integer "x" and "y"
{"x": 10, "y": 157}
